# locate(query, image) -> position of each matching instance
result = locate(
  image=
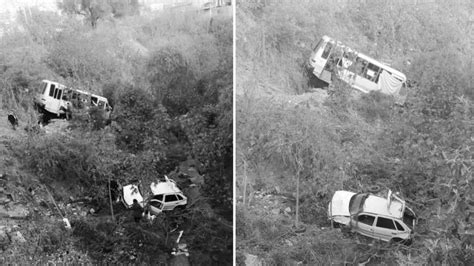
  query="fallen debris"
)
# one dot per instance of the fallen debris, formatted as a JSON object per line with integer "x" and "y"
{"x": 14, "y": 211}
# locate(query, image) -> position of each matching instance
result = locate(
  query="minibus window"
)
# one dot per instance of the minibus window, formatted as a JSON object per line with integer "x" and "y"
{"x": 359, "y": 66}
{"x": 327, "y": 50}
{"x": 371, "y": 72}
{"x": 318, "y": 46}
{"x": 51, "y": 90}
{"x": 45, "y": 86}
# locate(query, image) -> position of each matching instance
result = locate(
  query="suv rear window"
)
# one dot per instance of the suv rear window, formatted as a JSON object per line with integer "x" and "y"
{"x": 385, "y": 223}
{"x": 169, "y": 198}
{"x": 409, "y": 217}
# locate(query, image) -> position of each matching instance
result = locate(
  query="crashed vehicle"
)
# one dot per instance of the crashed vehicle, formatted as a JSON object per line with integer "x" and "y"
{"x": 166, "y": 197}
{"x": 55, "y": 99}
{"x": 387, "y": 219}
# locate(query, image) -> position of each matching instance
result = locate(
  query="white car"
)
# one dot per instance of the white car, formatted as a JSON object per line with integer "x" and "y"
{"x": 387, "y": 219}
{"x": 166, "y": 197}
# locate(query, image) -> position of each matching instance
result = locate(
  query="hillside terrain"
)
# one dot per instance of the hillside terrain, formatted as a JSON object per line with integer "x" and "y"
{"x": 298, "y": 142}
{"x": 168, "y": 77}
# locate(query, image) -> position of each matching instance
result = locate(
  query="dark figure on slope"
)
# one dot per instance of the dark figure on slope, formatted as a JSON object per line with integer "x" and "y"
{"x": 137, "y": 211}
{"x": 13, "y": 120}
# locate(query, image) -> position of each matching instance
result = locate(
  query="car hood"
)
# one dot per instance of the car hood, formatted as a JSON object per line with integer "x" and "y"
{"x": 339, "y": 205}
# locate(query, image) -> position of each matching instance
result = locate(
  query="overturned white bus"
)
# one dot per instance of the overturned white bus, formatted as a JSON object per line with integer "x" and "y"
{"x": 356, "y": 69}
{"x": 56, "y": 99}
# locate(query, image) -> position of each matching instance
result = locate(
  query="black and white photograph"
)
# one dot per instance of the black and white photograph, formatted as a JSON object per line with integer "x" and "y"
{"x": 117, "y": 132}
{"x": 236, "y": 132}
{"x": 354, "y": 140}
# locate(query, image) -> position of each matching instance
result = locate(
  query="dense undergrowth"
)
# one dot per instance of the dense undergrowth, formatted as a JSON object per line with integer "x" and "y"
{"x": 168, "y": 77}
{"x": 352, "y": 141}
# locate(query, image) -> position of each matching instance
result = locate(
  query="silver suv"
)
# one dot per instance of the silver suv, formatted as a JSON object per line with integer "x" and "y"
{"x": 166, "y": 197}
{"x": 387, "y": 219}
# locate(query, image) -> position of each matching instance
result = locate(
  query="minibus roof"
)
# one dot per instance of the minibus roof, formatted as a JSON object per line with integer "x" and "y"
{"x": 80, "y": 91}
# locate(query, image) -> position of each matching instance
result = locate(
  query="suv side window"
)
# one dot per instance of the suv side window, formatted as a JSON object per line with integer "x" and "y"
{"x": 169, "y": 198}
{"x": 385, "y": 223}
{"x": 158, "y": 197}
{"x": 399, "y": 226}
{"x": 179, "y": 197}
{"x": 366, "y": 219}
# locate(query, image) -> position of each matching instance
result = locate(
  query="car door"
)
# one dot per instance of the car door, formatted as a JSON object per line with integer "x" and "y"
{"x": 170, "y": 202}
{"x": 363, "y": 224}
{"x": 385, "y": 229}
{"x": 156, "y": 206}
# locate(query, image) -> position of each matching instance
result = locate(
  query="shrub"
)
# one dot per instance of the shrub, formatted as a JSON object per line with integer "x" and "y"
{"x": 142, "y": 123}
{"x": 374, "y": 106}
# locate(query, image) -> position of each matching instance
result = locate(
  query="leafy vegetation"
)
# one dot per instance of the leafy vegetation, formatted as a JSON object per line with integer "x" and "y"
{"x": 348, "y": 140}
{"x": 168, "y": 77}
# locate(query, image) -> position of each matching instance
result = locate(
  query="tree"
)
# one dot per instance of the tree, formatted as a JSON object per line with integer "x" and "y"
{"x": 92, "y": 10}
{"x": 142, "y": 123}
{"x": 171, "y": 79}
{"x": 209, "y": 131}
{"x": 121, "y": 8}
{"x": 85, "y": 62}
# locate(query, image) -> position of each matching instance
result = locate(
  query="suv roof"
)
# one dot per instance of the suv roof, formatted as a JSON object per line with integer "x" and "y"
{"x": 166, "y": 187}
{"x": 382, "y": 206}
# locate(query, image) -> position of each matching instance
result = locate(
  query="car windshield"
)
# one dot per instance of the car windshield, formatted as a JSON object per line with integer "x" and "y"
{"x": 357, "y": 202}
{"x": 409, "y": 217}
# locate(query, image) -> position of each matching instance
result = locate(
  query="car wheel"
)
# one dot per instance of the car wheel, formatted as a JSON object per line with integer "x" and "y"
{"x": 181, "y": 207}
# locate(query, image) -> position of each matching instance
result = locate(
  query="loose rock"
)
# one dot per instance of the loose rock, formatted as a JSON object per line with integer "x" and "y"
{"x": 17, "y": 237}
